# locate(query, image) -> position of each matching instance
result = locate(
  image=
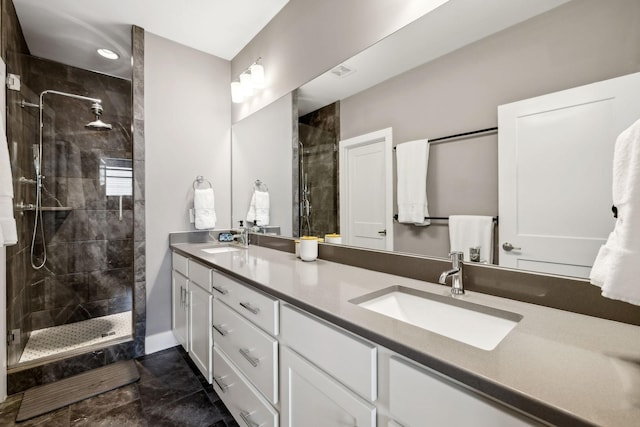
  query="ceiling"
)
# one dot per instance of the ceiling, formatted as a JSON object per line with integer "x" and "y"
{"x": 70, "y": 31}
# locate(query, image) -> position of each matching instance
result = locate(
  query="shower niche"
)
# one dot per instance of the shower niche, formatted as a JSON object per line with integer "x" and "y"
{"x": 71, "y": 277}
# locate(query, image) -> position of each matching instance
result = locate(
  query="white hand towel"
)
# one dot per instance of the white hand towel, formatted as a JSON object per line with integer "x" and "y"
{"x": 470, "y": 231}
{"x": 9, "y": 235}
{"x": 251, "y": 212}
{"x": 617, "y": 266}
{"x": 262, "y": 207}
{"x": 258, "y": 212}
{"x": 204, "y": 207}
{"x": 412, "y": 159}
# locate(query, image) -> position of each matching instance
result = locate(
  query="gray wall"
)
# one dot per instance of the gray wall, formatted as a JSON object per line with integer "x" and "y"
{"x": 308, "y": 37}
{"x": 578, "y": 43}
{"x": 262, "y": 149}
{"x": 187, "y": 133}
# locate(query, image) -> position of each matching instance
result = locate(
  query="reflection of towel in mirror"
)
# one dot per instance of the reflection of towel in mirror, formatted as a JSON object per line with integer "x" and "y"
{"x": 617, "y": 267}
{"x": 472, "y": 231}
{"x": 412, "y": 159}
{"x": 258, "y": 212}
{"x": 8, "y": 231}
{"x": 204, "y": 207}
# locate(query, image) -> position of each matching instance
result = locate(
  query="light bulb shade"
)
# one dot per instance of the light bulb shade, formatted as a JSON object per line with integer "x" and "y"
{"x": 257, "y": 75}
{"x": 247, "y": 85}
{"x": 237, "y": 96}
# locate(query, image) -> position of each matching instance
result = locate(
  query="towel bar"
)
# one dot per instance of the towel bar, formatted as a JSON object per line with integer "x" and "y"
{"x": 443, "y": 218}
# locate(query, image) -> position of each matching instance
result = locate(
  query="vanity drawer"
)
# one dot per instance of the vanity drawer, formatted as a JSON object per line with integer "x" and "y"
{"x": 180, "y": 264}
{"x": 254, "y": 305}
{"x": 253, "y": 352}
{"x": 200, "y": 274}
{"x": 419, "y": 396}
{"x": 244, "y": 402}
{"x": 344, "y": 356}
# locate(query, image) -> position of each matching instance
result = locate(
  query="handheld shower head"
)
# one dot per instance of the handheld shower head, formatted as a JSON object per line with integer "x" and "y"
{"x": 98, "y": 124}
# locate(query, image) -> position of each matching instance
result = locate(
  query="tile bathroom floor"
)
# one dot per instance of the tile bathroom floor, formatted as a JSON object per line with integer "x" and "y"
{"x": 171, "y": 392}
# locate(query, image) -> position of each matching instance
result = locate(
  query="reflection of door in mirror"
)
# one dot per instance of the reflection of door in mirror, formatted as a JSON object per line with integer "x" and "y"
{"x": 366, "y": 192}
{"x": 555, "y": 221}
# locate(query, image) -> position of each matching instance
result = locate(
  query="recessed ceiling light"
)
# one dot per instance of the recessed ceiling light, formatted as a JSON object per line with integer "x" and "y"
{"x": 109, "y": 54}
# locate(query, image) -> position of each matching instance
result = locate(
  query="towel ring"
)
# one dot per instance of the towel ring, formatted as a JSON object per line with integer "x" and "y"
{"x": 260, "y": 186}
{"x": 200, "y": 180}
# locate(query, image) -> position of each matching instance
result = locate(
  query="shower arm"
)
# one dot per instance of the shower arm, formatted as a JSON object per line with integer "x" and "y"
{"x": 69, "y": 95}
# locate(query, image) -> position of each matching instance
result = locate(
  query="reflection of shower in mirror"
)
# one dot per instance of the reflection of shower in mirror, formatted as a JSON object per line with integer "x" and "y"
{"x": 305, "y": 204}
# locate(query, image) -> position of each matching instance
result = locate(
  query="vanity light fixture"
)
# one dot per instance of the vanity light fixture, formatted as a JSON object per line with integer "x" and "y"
{"x": 250, "y": 79}
{"x": 237, "y": 96}
{"x": 108, "y": 53}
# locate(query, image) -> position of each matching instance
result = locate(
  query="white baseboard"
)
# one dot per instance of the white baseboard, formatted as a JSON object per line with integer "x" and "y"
{"x": 160, "y": 341}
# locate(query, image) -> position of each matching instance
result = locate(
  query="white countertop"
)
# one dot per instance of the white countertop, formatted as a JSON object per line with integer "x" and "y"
{"x": 552, "y": 363}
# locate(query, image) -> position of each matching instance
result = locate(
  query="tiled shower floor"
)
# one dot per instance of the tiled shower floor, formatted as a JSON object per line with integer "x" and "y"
{"x": 59, "y": 339}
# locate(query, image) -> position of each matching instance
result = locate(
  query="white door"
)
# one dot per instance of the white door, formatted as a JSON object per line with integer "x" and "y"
{"x": 366, "y": 190}
{"x": 179, "y": 321}
{"x": 555, "y": 174}
{"x": 200, "y": 324}
{"x": 311, "y": 398}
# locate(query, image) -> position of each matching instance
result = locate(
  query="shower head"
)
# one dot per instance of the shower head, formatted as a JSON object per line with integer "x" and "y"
{"x": 98, "y": 124}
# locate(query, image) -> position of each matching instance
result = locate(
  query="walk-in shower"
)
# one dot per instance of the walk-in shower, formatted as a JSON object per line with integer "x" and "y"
{"x": 97, "y": 124}
{"x": 70, "y": 278}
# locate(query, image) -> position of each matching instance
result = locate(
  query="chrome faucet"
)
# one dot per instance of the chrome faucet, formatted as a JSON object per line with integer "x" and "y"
{"x": 456, "y": 272}
{"x": 241, "y": 235}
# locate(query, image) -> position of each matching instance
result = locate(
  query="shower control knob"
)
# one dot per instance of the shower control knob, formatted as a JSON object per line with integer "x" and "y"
{"x": 508, "y": 247}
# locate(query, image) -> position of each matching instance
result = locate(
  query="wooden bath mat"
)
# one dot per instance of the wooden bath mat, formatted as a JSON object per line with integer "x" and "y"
{"x": 40, "y": 400}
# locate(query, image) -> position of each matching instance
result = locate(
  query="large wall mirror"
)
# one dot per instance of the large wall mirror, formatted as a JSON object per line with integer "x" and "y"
{"x": 444, "y": 74}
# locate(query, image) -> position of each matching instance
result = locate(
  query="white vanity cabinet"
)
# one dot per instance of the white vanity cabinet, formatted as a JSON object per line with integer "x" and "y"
{"x": 419, "y": 396}
{"x": 328, "y": 375}
{"x": 180, "y": 299}
{"x": 200, "y": 318}
{"x": 191, "y": 310}
{"x": 245, "y": 375}
{"x": 274, "y": 364}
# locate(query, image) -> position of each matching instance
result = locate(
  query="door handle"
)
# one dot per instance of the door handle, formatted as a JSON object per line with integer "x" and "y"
{"x": 508, "y": 247}
{"x": 382, "y": 233}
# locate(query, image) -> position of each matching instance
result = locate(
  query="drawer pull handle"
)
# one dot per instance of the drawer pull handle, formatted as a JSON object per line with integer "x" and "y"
{"x": 252, "y": 360}
{"x": 245, "y": 417}
{"x": 181, "y": 295}
{"x": 218, "y": 381}
{"x": 252, "y": 309}
{"x": 223, "y": 291}
{"x": 220, "y": 330}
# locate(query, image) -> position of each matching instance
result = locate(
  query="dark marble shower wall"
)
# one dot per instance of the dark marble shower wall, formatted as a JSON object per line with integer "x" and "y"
{"x": 89, "y": 268}
{"x": 319, "y": 132}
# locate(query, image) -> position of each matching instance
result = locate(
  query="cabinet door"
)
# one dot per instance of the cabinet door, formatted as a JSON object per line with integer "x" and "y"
{"x": 200, "y": 329}
{"x": 179, "y": 321}
{"x": 419, "y": 396}
{"x": 312, "y": 398}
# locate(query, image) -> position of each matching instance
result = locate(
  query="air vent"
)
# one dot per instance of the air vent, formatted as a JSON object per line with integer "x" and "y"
{"x": 342, "y": 71}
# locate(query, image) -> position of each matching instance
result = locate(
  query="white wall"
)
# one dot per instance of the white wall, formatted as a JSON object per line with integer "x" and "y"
{"x": 187, "y": 133}
{"x": 262, "y": 149}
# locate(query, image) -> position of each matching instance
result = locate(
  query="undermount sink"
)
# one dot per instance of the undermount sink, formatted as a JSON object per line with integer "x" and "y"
{"x": 221, "y": 249}
{"x": 477, "y": 325}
